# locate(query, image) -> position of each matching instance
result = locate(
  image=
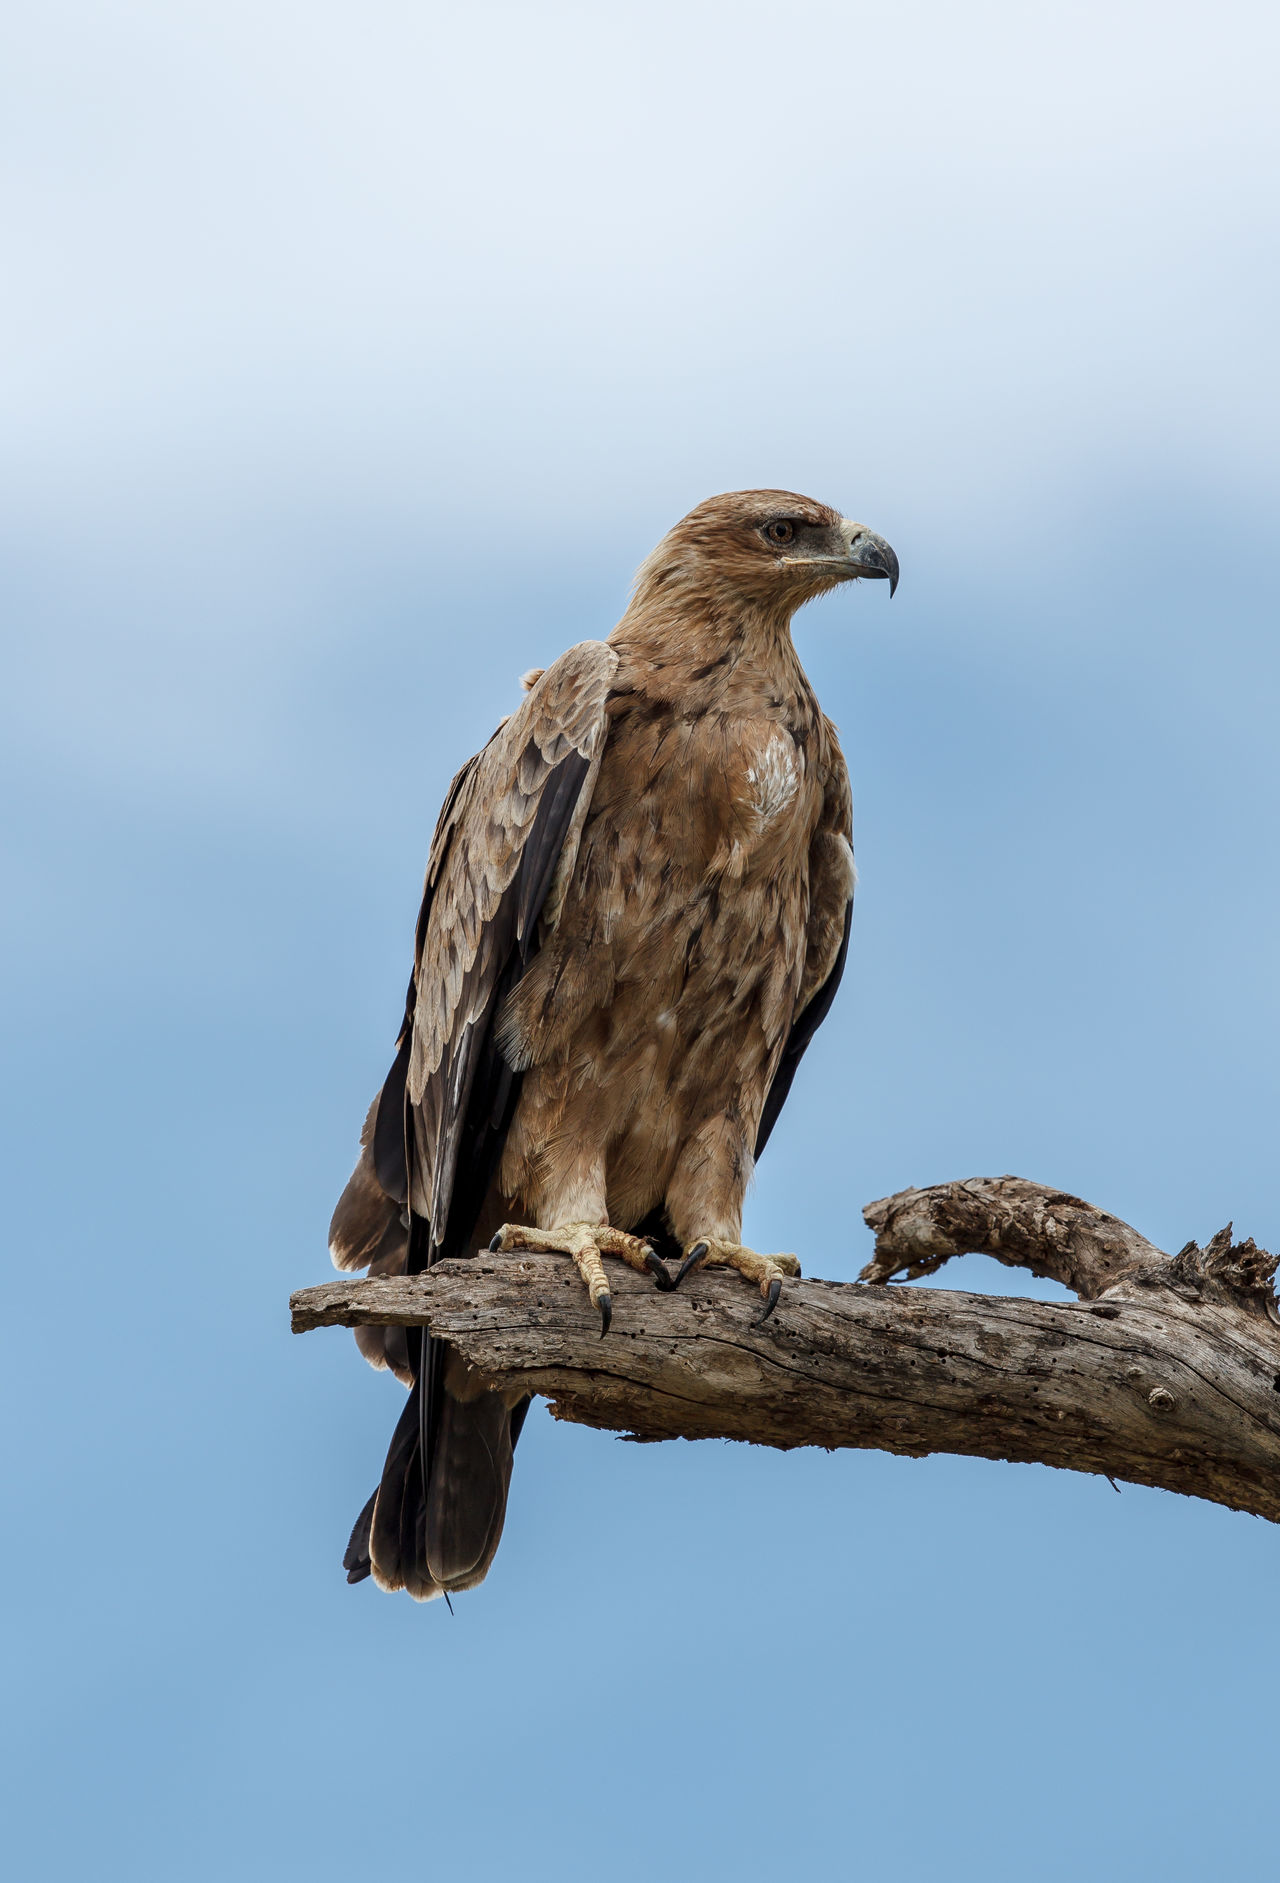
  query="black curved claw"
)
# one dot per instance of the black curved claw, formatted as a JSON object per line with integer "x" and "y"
{"x": 606, "y": 1313}
{"x": 691, "y": 1260}
{"x": 775, "y": 1289}
{"x": 659, "y": 1270}
{"x": 495, "y": 1246}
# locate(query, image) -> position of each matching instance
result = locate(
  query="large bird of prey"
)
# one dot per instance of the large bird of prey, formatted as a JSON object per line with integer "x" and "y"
{"x": 635, "y": 917}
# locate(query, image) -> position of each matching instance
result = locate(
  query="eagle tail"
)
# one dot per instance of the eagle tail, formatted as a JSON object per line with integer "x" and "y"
{"x": 439, "y": 1533}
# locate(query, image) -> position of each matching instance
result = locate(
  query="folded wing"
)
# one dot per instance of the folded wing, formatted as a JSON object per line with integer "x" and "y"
{"x": 503, "y": 852}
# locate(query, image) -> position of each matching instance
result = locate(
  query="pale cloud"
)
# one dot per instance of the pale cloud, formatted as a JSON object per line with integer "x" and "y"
{"x": 613, "y": 257}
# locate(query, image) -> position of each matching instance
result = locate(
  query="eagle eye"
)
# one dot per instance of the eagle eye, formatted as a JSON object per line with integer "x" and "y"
{"x": 781, "y": 530}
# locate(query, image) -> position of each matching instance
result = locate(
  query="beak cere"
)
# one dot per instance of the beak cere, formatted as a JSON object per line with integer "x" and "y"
{"x": 870, "y": 555}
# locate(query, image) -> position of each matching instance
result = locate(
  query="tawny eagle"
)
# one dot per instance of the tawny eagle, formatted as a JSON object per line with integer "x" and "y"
{"x": 635, "y": 917}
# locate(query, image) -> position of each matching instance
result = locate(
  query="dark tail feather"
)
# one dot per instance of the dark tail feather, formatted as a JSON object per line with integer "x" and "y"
{"x": 467, "y": 1499}
{"x": 397, "y": 1539}
{"x": 357, "y": 1561}
{"x": 447, "y": 1539}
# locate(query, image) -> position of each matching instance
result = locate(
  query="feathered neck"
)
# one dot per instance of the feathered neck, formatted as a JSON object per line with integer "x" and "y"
{"x": 689, "y": 633}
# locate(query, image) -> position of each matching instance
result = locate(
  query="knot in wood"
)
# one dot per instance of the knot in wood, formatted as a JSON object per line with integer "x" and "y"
{"x": 1160, "y": 1399}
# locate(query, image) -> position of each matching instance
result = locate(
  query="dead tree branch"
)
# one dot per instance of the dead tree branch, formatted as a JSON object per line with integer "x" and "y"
{"x": 1165, "y": 1372}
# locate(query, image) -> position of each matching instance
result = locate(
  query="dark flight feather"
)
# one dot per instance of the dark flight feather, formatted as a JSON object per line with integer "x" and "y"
{"x": 802, "y": 1031}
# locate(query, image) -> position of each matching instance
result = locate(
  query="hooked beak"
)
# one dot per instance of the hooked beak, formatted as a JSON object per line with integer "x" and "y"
{"x": 869, "y": 555}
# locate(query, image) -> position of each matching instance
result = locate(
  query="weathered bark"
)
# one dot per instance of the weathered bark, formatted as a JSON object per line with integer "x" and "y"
{"x": 1167, "y": 1372}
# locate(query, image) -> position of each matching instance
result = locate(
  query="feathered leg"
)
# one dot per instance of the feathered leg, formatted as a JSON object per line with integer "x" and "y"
{"x": 571, "y": 1217}
{"x": 704, "y": 1204}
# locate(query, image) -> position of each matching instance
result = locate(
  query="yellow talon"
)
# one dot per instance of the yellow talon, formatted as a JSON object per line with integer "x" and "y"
{"x": 586, "y": 1243}
{"x": 768, "y": 1270}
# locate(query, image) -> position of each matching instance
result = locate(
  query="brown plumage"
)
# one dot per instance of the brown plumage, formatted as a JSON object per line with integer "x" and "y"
{"x": 635, "y": 916}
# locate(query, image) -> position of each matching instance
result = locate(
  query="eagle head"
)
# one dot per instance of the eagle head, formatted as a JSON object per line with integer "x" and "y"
{"x": 770, "y": 548}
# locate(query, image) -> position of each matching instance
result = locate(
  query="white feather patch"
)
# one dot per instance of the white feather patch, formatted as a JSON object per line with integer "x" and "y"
{"x": 775, "y": 777}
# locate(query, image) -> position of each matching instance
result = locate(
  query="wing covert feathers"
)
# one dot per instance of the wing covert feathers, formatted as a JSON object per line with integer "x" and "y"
{"x": 504, "y": 846}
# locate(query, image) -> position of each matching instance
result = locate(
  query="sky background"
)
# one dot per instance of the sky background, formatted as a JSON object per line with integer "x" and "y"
{"x": 352, "y": 357}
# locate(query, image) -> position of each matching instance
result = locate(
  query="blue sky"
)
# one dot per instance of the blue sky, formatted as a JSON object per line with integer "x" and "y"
{"x": 353, "y": 359}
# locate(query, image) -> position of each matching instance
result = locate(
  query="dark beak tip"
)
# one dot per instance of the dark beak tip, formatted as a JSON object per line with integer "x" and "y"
{"x": 879, "y": 562}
